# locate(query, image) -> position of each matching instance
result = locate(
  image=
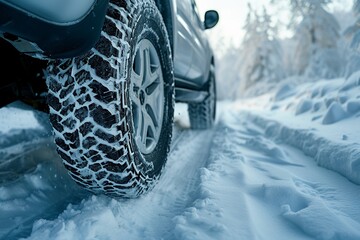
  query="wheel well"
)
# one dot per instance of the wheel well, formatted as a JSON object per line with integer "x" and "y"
{"x": 165, "y": 9}
{"x": 26, "y": 82}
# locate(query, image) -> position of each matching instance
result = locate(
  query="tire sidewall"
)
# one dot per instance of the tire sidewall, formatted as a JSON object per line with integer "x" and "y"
{"x": 148, "y": 25}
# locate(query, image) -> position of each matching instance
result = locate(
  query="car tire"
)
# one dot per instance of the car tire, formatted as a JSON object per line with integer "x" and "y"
{"x": 202, "y": 115}
{"x": 112, "y": 109}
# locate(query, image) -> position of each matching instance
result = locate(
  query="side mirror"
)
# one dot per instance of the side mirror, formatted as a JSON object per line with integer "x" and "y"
{"x": 211, "y": 19}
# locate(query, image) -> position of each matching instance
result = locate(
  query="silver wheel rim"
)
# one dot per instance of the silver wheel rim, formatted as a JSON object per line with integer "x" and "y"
{"x": 147, "y": 96}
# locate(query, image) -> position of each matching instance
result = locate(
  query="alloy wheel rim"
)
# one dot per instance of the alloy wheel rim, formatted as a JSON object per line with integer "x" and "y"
{"x": 147, "y": 96}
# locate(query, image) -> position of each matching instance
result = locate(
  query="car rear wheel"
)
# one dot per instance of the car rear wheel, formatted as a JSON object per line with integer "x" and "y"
{"x": 202, "y": 115}
{"x": 112, "y": 109}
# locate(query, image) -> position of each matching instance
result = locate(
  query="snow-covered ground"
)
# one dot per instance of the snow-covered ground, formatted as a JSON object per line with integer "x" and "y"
{"x": 283, "y": 165}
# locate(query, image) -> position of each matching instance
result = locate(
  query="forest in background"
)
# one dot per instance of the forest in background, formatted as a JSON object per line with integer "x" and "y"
{"x": 323, "y": 45}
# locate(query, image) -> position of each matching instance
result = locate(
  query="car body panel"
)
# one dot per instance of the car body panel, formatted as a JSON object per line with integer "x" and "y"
{"x": 183, "y": 50}
{"x": 56, "y": 11}
{"x": 192, "y": 53}
{"x": 49, "y": 36}
{"x": 41, "y": 38}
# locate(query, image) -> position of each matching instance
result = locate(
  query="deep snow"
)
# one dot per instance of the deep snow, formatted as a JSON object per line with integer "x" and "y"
{"x": 283, "y": 165}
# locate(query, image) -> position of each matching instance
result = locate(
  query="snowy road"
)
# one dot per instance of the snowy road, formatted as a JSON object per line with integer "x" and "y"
{"x": 231, "y": 182}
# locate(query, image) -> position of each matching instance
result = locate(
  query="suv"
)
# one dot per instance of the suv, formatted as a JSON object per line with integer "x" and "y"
{"x": 108, "y": 72}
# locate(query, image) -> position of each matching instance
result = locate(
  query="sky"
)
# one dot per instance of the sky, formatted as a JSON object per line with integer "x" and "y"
{"x": 233, "y": 14}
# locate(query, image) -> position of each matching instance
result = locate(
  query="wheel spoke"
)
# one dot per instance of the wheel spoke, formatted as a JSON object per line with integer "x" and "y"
{"x": 153, "y": 82}
{"x": 136, "y": 79}
{"x": 150, "y": 124}
{"x": 155, "y": 73}
{"x": 154, "y": 76}
{"x": 140, "y": 126}
{"x": 144, "y": 136}
{"x": 147, "y": 67}
{"x": 154, "y": 100}
{"x": 153, "y": 117}
{"x": 152, "y": 88}
{"x": 138, "y": 65}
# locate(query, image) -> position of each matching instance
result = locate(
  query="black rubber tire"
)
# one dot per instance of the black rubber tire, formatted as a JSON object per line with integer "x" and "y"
{"x": 202, "y": 115}
{"x": 90, "y": 107}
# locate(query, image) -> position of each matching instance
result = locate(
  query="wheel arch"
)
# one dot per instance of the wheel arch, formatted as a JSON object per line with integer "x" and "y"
{"x": 168, "y": 13}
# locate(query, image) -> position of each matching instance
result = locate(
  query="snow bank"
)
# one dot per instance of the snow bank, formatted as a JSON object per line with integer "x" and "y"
{"x": 342, "y": 158}
{"x": 320, "y": 119}
{"x": 92, "y": 219}
{"x": 18, "y": 116}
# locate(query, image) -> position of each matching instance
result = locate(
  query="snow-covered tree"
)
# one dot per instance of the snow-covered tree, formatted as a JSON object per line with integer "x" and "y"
{"x": 316, "y": 37}
{"x": 227, "y": 65}
{"x": 352, "y": 34}
{"x": 261, "y": 53}
{"x": 316, "y": 53}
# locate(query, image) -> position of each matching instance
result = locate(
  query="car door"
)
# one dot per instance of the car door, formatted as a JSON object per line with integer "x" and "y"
{"x": 201, "y": 54}
{"x": 183, "y": 52}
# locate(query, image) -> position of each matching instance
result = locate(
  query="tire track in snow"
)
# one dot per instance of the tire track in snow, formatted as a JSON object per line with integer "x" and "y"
{"x": 231, "y": 182}
{"x": 175, "y": 190}
{"x": 298, "y": 193}
{"x": 209, "y": 216}
{"x": 152, "y": 215}
{"x": 274, "y": 191}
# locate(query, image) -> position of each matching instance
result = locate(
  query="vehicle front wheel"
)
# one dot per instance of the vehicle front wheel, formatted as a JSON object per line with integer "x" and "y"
{"x": 112, "y": 109}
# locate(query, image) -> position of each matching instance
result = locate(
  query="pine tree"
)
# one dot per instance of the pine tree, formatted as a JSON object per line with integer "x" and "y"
{"x": 352, "y": 34}
{"x": 316, "y": 36}
{"x": 260, "y": 51}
